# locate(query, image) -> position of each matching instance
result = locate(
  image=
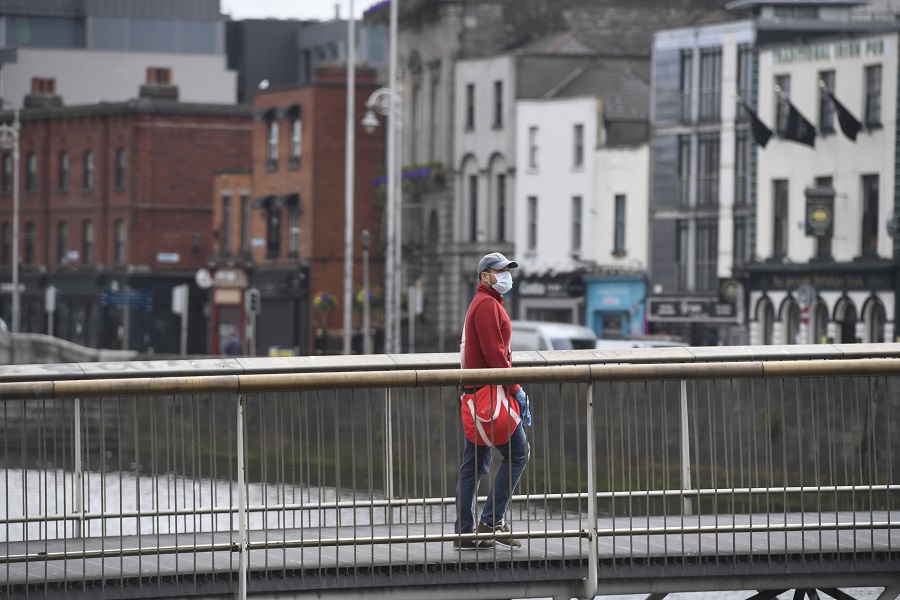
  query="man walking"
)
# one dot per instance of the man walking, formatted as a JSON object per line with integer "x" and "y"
{"x": 485, "y": 345}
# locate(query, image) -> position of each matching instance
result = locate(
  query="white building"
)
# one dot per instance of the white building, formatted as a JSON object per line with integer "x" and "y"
{"x": 824, "y": 212}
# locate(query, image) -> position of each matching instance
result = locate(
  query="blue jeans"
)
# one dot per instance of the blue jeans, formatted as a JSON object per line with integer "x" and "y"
{"x": 475, "y": 463}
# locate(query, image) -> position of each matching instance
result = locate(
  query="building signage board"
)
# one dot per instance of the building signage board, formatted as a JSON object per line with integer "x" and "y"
{"x": 819, "y": 212}
{"x": 835, "y": 281}
{"x": 571, "y": 287}
{"x": 689, "y": 310}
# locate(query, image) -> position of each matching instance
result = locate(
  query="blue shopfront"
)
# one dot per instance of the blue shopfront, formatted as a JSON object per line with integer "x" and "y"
{"x": 615, "y": 306}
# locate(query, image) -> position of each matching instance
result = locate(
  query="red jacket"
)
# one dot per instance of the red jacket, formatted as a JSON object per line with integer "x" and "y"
{"x": 487, "y": 333}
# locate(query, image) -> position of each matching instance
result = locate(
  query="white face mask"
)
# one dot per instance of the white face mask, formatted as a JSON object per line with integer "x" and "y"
{"x": 504, "y": 282}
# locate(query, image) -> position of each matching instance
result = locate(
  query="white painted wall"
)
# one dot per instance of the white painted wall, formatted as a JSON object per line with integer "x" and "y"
{"x": 834, "y": 155}
{"x": 89, "y": 76}
{"x": 554, "y": 181}
{"x": 484, "y": 150}
{"x": 621, "y": 171}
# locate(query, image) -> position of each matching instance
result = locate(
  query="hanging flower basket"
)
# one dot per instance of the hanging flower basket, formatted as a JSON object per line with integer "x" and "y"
{"x": 324, "y": 302}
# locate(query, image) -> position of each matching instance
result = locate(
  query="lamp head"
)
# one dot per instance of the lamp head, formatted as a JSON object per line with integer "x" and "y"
{"x": 370, "y": 122}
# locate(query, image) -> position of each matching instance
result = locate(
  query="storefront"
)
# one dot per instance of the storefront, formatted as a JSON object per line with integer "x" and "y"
{"x": 555, "y": 297}
{"x": 700, "y": 320}
{"x": 615, "y": 306}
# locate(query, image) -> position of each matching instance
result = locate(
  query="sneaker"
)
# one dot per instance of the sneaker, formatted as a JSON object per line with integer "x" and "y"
{"x": 502, "y": 535}
{"x": 459, "y": 544}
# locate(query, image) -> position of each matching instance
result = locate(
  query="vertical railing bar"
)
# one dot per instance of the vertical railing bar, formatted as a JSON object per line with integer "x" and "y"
{"x": 338, "y": 517}
{"x": 648, "y": 453}
{"x": 154, "y": 462}
{"x": 120, "y": 453}
{"x": 735, "y": 455}
{"x": 195, "y": 476}
{"x": 545, "y": 426}
{"x": 685, "y": 434}
{"x": 663, "y": 477}
{"x": 784, "y": 454}
{"x": 816, "y": 413}
{"x": 44, "y": 464}
{"x": 103, "y": 505}
{"x": 264, "y": 471}
{"x": 592, "y": 582}
{"x": 801, "y": 465}
{"x": 873, "y": 461}
{"x": 561, "y": 452}
{"x": 611, "y": 465}
{"x": 631, "y": 443}
{"x": 242, "y": 502}
{"x": 7, "y": 490}
{"x": 370, "y": 471}
{"x": 388, "y": 457}
{"x": 890, "y": 463}
{"x": 79, "y": 472}
{"x": 353, "y": 481}
{"x": 283, "y": 516}
{"x": 230, "y": 441}
{"x": 857, "y": 457}
{"x": 714, "y": 455}
{"x": 830, "y": 419}
{"x": 579, "y": 466}
{"x": 137, "y": 489}
{"x": 303, "y": 433}
{"x": 213, "y": 478}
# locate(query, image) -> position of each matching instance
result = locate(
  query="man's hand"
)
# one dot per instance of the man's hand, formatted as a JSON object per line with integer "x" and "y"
{"x": 524, "y": 406}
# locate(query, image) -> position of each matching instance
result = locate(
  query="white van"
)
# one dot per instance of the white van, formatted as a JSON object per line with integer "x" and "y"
{"x": 540, "y": 335}
{"x": 639, "y": 343}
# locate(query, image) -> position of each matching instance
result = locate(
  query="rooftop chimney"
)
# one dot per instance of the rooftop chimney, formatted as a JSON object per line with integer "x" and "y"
{"x": 43, "y": 94}
{"x": 159, "y": 85}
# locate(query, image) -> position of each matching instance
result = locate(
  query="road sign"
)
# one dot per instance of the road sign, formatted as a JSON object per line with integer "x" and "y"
{"x": 7, "y": 288}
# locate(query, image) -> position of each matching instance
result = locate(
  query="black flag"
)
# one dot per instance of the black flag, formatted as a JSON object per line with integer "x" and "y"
{"x": 798, "y": 129}
{"x": 849, "y": 125}
{"x": 761, "y": 133}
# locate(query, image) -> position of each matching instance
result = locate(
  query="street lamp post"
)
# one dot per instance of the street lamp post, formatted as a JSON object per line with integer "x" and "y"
{"x": 367, "y": 332}
{"x": 9, "y": 140}
{"x": 388, "y": 102}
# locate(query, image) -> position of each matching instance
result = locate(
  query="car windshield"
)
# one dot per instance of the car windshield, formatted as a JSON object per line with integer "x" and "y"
{"x": 573, "y": 343}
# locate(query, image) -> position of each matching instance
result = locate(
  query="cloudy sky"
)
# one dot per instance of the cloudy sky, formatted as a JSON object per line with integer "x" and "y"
{"x": 297, "y": 9}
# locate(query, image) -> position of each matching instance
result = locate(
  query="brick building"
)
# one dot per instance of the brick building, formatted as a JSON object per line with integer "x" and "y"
{"x": 115, "y": 210}
{"x": 298, "y": 183}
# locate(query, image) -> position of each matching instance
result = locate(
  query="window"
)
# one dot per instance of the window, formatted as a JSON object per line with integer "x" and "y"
{"x": 826, "y": 106}
{"x": 780, "y": 218}
{"x": 473, "y": 208}
{"x": 873, "y": 96}
{"x": 6, "y": 180}
{"x": 119, "y": 251}
{"x": 31, "y": 172}
{"x": 294, "y": 231}
{"x": 823, "y": 242}
{"x": 87, "y": 242}
{"x": 121, "y": 157}
{"x": 88, "y": 181}
{"x": 435, "y": 115}
{"x": 870, "y": 215}
{"x": 5, "y": 244}
{"x": 708, "y": 170}
{"x": 710, "y": 83}
{"x": 686, "y": 83}
{"x": 707, "y": 254}
{"x": 226, "y": 224}
{"x": 296, "y": 141}
{"x": 501, "y": 207}
{"x": 417, "y": 123}
{"x": 682, "y": 254}
{"x": 578, "y": 143}
{"x": 30, "y": 240}
{"x": 62, "y": 242}
{"x": 744, "y": 76}
{"x": 470, "y": 106}
{"x": 741, "y": 167}
{"x": 619, "y": 224}
{"x": 533, "y": 147}
{"x": 498, "y": 104}
{"x": 576, "y": 225}
{"x": 796, "y": 12}
{"x": 739, "y": 250}
{"x": 683, "y": 185}
{"x": 782, "y": 91}
{"x": 532, "y": 222}
{"x": 64, "y": 171}
{"x": 245, "y": 222}
{"x": 272, "y": 151}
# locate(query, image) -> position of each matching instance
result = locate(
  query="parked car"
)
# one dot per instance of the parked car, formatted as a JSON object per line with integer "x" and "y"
{"x": 639, "y": 343}
{"x": 541, "y": 335}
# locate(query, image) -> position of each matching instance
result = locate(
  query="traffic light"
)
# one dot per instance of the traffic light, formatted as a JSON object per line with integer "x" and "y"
{"x": 252, "y": 301}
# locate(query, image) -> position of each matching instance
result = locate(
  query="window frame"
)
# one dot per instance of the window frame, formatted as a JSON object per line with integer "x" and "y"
{"x": 121, "y": 168}
{"x": 780, "y": 218}
{"x": 64, "y": 172}
{"x": 619, "y": 216}
{"x": 578, "y": 145}
{"x": 873, "y": 90}
{"x": 826, "y": 106}
{"x": 88, "y": 176}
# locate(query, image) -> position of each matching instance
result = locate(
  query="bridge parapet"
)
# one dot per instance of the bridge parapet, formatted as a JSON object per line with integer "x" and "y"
{"x": 681, "y": 469}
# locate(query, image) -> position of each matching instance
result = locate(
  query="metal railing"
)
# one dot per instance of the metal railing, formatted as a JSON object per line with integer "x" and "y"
{"x": 243, "y": 472}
